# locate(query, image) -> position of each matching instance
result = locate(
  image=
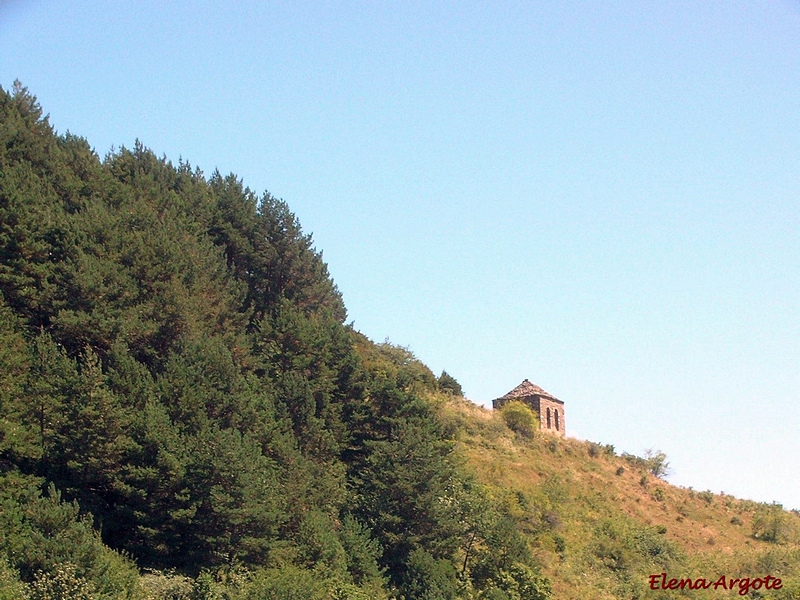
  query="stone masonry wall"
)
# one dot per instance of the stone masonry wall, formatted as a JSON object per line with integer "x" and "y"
{"x": 539, "y": 404}
{"x": 558, "y": 425}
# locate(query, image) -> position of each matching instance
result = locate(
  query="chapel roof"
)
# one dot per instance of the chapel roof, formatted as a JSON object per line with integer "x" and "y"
{"x": 526, "y": 388}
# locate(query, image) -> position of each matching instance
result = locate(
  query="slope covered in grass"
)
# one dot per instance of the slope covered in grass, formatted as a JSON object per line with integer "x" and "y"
{"x": 601, "y": 524}
{"x": 182, "y": 399}
{"x": 185, "y": 414}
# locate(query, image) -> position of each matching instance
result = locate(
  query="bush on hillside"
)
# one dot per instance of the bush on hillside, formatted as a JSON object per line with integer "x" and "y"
{"x": 771, "y": 525}
{"x": 49, "y": 542}
{"x": 174, "y": 360}
{"x": 11, "y": 588}
{"x": 656, "y": 462}
{"x": 520, "y": 419}
{"x": 62, "y": 584}
{"x": 430, "y": 578}
{"x": 449, "y": 385}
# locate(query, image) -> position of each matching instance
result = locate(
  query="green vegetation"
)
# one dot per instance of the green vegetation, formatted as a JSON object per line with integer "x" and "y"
{"x": 656, "y": 462}
{"x": 598, "y": 532}
{"x": 449, "y": 385}
{"x": 185, "y": 415}
{"x": 520, "y": 418}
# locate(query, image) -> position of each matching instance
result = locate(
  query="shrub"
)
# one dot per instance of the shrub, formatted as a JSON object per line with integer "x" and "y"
{"x": 52, "y": 542}
{"x": 633, "y": 460}
{"x": 206, "y": 588}
{"x": 319, "y": 545}
{"x": 362, "y": 552}
{"x": 520, "y": 419}
{"x": 449, "y": 385}
{"x": 167, "y": 586}
{"x": 287, "y": 583}
{"x": 770, "y": 525}
{"x": 63, "y": 583}
{"x": 656, "y": 463}
{"x": 561, "y": 544}
{"x": 519, "y": 581}
{"x": 430, "y": 579}
{"x": 11, "y": 588}
{"x": 707, "y": 496}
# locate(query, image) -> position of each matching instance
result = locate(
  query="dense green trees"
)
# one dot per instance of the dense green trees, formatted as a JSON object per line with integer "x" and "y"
{"x": 449, "y": 385}
{"x": 177, "y": 384}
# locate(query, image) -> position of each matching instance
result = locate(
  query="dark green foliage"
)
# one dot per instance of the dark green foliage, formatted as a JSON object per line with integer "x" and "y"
{"x": 499, "y": 548}
{"x": 35, "y": 236}
{"x": 15, "y": 358}
{"x": 174, "y": 361}
{"x": 429, "y": 579}
{"x": 266, "y": 248}
{"x": 361, "y": 552}
{"x": 401, "y": 464}
{"x": 448, "y": 384}
{"x": 287, "y": 583}
{"x": 319, "y": 545}
{"x": 518, "y": 581}
{"x": 14, "y": 353}
{"x": 11, "y": 588}
{"x": 623, "y": 547}
{"x": 229, "y": 505}
{"x": 771, "y": 524}
{"x": 40, "y": 534}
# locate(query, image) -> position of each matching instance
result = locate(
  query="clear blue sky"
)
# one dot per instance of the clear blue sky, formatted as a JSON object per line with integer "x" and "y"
{"x": 601, "y": 197}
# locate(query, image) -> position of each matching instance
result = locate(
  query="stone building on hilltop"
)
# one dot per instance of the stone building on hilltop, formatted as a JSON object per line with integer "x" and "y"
{"x": 549, "y": 408}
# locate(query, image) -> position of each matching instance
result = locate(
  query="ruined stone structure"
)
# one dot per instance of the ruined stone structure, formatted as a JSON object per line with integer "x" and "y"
{"x": 549, "y": 408}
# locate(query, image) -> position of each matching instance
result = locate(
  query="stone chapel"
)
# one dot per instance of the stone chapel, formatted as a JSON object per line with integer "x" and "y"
{"x": 549, "y": 408}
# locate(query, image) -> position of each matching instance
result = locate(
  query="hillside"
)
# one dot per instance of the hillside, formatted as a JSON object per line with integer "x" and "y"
{"x": 601, "y": 524}
{"x": 185, "y": 414}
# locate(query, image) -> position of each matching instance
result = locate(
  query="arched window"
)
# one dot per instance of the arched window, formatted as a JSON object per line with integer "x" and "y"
{"x": 558, "y": 425}
{"x": 548, "y": 417}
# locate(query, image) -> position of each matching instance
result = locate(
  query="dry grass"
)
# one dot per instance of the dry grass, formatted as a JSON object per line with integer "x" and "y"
{"x": 573, "y": 487}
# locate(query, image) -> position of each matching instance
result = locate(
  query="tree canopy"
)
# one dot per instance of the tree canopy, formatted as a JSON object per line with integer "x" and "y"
{"x": 179, "y": 390}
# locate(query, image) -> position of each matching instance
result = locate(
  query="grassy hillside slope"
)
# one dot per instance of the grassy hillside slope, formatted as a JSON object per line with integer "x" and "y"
{"x": 600, "y": 524}
{"x": 185, "y": 415}
{"x": 183, "y": 407}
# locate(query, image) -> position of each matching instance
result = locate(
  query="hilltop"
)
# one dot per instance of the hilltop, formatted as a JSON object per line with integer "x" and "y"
{"x": 602, "y": 523}
{"x": 186, "y": 414}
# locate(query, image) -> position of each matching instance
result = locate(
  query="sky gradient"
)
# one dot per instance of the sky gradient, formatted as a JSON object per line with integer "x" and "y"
{"x": 600, "y": 197}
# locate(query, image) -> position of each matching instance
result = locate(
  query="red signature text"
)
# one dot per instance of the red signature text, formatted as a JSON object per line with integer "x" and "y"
{"x": 745, "y": 584}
